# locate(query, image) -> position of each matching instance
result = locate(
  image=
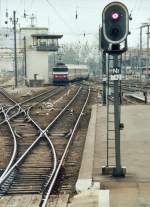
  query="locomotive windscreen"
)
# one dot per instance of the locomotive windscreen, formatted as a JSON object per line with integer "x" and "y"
{"x": 60, "y": 69}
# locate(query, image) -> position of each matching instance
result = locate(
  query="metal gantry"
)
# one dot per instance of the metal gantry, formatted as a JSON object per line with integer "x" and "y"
{"x": 144, "y": 25}
{"x": 15, "y": 49}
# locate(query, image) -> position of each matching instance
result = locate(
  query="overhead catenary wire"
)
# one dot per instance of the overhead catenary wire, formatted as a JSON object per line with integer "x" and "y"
{"x": 60, "y": 16}
{"x": 74, "y": 30}
{"x": 136, "y": 8}
{"x": 74, "y": 33}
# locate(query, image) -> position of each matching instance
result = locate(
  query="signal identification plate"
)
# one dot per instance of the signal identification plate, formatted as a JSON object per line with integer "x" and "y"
{"x": 116, "y": 77}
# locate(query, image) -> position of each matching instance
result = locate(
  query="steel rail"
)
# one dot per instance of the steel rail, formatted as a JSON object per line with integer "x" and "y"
{"x": 27, "y": 100}
{"x": 3, "y": 92}
{"x": 21, "y": 110}
{"x": 15, "y": 142}
{"x": 137, "y": 99}
{"x": 42, "y": 132}
{"x": 18, "y": 104}
{"x": 31, "y": 99}
{"x": 44, "y": 200}
{"x": 9, "y": 98}
{"x": 38, "y": 127}
{"x": 14, "y": 148}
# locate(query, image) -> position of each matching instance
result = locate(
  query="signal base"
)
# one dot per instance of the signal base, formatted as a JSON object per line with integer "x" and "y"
{"x": 111, "y": 170}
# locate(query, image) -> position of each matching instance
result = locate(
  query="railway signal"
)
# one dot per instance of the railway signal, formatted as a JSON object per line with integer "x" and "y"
{"x": 103, "y": 44}
{"x": 114, "y": 32}
{"x": 115, "y": 22}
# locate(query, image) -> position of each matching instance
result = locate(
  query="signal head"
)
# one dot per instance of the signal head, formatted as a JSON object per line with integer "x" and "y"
{"x": 115, "y": 23}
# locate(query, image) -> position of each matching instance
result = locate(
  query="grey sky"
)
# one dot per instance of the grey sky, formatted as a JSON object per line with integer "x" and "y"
{"x": 59, "y": 15}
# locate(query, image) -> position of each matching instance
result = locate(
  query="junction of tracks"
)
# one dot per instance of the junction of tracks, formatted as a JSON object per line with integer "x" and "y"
{"x": 53, "y": 147}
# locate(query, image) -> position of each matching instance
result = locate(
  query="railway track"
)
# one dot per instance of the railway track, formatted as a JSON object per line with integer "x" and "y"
{"x": 25, "y": 140}
{"x": 128, "y": 100}
{"x": 19, "y": 107}
{"x": 19, "y": 128}
{"x": 32, "y": 167}
{"x": 63, "y": 148}
{"x": 44, "y": 112}
{"x": 134, "y": 100}
{"x": 133, "y": 86}
{"x": 6, "y": 133}
{"x": 5, "y": 99}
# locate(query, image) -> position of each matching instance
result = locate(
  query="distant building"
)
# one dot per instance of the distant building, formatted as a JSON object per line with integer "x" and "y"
{"x": 38, "y": 44}
{"x": 7, "y": 51}
{"x": 6, "y": 38}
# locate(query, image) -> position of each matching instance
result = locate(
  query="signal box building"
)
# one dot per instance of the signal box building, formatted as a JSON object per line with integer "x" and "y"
{"x": 37, "y": 43}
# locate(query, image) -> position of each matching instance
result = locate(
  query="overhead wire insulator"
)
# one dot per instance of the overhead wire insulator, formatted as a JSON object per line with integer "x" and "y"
{"x": 24, "y": 15}
{"x": 6, "y": 14}
{"x": 76, "y": 15}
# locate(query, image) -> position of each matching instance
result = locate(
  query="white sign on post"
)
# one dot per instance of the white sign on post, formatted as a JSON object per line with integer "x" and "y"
{"x": 115, "y": 71}
{"x": 115, "y": 74}
{"x": 104, "y": 78}
{"x": 115, "y": 77}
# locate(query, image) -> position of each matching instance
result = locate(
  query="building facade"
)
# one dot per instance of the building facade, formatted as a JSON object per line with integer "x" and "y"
{"x": 37, "y": 44}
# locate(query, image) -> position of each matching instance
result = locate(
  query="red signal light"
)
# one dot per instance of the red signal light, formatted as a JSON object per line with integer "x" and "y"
{"x": 115, "y": 16}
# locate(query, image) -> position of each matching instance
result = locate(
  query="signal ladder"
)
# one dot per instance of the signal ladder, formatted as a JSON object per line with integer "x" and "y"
{"x": 111, "y": 153}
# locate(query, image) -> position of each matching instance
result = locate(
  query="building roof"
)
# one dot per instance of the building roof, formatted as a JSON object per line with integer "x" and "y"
{"x": 73, "y": 66}
{"x": 47, "y": 36}
{"x": 33, "y": 28}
